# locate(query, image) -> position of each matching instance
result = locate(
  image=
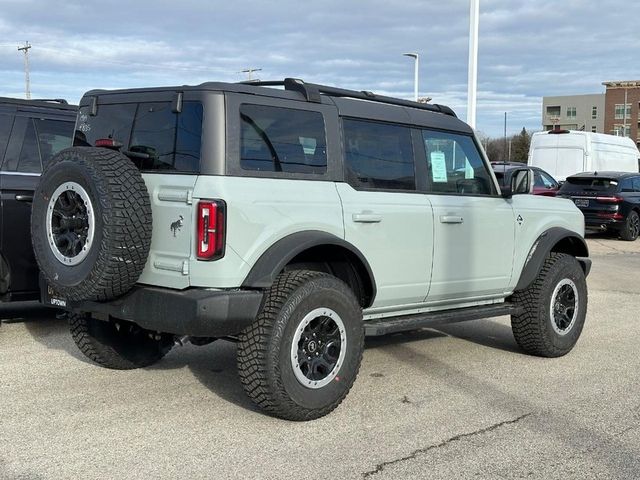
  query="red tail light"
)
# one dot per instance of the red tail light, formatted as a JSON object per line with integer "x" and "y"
{"x": 609, "y": 199}
{"x": 211, "y": 229}
{"x": 108, "y": 143}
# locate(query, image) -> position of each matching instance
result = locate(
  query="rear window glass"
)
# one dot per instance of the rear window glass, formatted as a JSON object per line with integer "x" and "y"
{"x": 149, "y": 133}
{"x": 590, "y": 184}
{"x": 274, "y": 139}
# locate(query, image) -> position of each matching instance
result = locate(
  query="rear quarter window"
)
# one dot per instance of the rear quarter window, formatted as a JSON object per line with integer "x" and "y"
{"x": 275, "y": 139}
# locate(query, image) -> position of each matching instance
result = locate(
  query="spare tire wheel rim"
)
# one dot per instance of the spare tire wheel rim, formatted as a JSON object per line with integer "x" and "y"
{"x": 318, "y": 348}
{"x": 564, "y": 306}
{"x": 70, "y": 223}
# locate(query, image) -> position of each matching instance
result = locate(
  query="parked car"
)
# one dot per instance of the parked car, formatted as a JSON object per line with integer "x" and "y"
{"x": 566, "y": 152}
{"x": 31, "y": 133}
{"x": 609, "y": 201}
{"x": 543, "y": 183}
{"x": 295, "y": 221}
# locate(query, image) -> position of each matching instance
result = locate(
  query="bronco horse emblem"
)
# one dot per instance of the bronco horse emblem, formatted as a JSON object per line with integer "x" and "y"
{"x": 177, "y": 225}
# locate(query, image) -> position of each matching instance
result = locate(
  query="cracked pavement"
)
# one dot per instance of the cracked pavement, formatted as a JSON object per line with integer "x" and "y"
{"x": 459, "y": 402}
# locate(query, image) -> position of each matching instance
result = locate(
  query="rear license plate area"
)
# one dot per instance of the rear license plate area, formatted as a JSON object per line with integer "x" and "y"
{"x": 581, "y": 202}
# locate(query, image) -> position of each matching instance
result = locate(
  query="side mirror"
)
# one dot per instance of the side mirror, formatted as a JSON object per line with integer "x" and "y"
{"x": 522, "y": 181}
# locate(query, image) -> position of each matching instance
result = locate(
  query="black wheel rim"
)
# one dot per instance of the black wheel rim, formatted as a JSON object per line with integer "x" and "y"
{"x": 70, "y": 223}
{"x": 634, "y": 225}
{"x": 318, "y": 348}
{"x": 564, "y": 306}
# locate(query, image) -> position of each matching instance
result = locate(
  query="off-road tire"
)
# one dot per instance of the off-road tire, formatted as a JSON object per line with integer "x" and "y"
{"x": 122, "y": 230}
{"x": 117, "y": 344}
{"x": 532, "y": 328}
{"x": 264, "y": 358}
{"x": 631, "y": 228}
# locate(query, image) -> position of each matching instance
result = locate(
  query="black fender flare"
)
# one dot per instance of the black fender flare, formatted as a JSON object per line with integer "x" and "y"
{"x": 555, "y": 239}
{"x": 277, "y": 256}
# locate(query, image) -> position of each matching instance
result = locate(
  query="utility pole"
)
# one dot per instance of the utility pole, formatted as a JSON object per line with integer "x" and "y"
{"x": 249, "y": 72}
{"x": 472, "y": 82}
{"x": 25, "y": 49}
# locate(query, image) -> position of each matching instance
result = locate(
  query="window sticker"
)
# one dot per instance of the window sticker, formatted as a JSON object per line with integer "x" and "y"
{"x": 438, "y": 167}
{"x": 469, "y": 173}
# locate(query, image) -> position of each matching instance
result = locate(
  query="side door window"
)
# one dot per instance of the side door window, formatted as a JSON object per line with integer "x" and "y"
{"x": 636, "y": 184}
{"x": 53, "y": 137}
{"x": 626, "y": 185}
{"x": 547, "y": 181}
{"x": 378, "y": 156}
{"x": 455, "y": 166}
{"x": 29, "y": 159}
{"x": 6, "y": 122}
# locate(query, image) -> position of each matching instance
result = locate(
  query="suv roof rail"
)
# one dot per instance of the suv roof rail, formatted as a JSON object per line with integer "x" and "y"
{"x": 311, "y": 92}
{"x": 52, "y": 100}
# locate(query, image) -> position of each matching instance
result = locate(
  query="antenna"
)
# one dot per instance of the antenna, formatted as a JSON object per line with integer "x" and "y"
{"x": 249, "y": 72}
{"x": 25, "y": 49}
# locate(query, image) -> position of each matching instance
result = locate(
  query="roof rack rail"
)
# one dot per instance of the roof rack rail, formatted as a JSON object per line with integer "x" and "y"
{"x": 311, "y": 92}
{"x": 52, "y": 100}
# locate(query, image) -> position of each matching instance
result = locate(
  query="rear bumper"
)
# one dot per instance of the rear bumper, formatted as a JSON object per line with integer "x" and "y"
{"x": 196, "y": 312}
{"x": 594, "y": 222}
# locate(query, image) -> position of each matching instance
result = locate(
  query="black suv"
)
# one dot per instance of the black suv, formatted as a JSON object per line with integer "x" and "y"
{"x": 608, "y": 200}
{"x": 31, "y": 132}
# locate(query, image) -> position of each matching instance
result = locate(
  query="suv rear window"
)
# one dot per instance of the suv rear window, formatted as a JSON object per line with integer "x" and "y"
{"x": 275, "y": 139}
{"x": 150, "y": 133}
{"x": 589, "y": 184}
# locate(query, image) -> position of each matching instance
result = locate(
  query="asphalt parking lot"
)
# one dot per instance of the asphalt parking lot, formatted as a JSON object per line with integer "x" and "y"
{"x": 461, "y": 402}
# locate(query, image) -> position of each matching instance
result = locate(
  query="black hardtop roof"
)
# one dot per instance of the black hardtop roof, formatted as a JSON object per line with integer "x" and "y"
{"x": 604, "y": 174}
{"x": 49, "y": 103}
{"x": 349, "y": 102}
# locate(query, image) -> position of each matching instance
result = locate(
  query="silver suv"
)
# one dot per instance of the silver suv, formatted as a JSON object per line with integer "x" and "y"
{"x": 294, "y": 221}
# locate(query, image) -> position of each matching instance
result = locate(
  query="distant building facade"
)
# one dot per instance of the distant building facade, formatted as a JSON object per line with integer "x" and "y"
{"x": 622, "y": 109}
{"x": 574, "y": 112}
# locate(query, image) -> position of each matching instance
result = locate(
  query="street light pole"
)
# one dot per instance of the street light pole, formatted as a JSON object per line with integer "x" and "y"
{"x": 472, "y": 83}
{"x": 415, "y": 56}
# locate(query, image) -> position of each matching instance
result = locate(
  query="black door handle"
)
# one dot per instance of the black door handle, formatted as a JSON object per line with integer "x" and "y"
{"x": 24, "y": 198}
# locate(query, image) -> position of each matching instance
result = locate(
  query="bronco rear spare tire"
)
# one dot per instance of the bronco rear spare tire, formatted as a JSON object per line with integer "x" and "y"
{"x": 91, "y": 224}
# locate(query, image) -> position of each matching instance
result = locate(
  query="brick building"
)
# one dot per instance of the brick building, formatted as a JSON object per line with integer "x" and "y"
{"x": 622, "y": 109}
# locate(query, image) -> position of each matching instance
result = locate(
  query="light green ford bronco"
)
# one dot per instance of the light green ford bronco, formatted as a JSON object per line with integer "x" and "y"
{"x": 294, "y": 221}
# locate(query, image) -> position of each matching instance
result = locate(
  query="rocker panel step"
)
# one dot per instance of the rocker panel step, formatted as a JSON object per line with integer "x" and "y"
{"x": 385, "y": 326}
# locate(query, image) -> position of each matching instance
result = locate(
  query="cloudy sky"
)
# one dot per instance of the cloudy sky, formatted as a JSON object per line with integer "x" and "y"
{"x": 527, "y": 49}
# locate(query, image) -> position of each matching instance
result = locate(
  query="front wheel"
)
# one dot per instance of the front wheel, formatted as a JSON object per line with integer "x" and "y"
{"x": 300, "y": 357}
{"x": 554, "y": 308}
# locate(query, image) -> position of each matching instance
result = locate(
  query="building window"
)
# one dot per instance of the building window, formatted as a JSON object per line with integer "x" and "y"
{"x": 622, "y": 130}
{"x": 594, "y": 129}
{"x": 620, "y": 111}
{"x": 571, "y": 112}
{"x": 594, "y": 113}
{"x": 553, "y": 111}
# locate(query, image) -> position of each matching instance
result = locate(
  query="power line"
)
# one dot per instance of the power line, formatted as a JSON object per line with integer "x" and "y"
{"x": 27, "y": 83}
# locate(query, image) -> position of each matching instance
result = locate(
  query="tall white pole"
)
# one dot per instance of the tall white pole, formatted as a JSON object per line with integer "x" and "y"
{"x": 474, "y": 18}
{"x": 415, "y": 80}
{"x": 415, "y": 74}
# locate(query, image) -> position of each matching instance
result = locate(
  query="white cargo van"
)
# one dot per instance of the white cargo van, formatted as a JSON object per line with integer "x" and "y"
{"x": 566, "y": 152}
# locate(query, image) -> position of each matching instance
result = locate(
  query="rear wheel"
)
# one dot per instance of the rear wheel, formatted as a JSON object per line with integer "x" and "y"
{"x": 118, "y": 344}
{"x": 554, "y": 308}
{"x": 631, "y": 228}
{"x": 300, "y": 357}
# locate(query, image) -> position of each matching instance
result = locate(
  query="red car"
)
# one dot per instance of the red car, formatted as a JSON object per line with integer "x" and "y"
{"x": 543, "y": 183}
